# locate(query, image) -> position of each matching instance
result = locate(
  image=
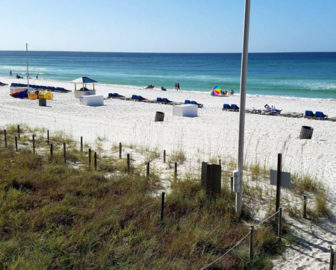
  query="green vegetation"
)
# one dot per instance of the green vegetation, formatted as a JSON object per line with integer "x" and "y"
{"x": 66, "y": 216}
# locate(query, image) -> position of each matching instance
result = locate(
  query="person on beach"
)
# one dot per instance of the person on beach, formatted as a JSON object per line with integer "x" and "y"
{"x": 177, "y": 86}
{"x": 36, "y": 76}
{"x": 163, "y": 88}
{"x": 10, "y": 73}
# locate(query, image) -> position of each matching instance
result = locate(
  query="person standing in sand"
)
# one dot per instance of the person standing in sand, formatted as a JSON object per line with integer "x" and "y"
{"x": 10, "y": 73}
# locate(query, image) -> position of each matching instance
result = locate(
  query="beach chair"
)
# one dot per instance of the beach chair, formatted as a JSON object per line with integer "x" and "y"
{"x": 234, "y": 108}
{"x": 309, "y": 114}
{"x": 196, "y": 103}
{"x": 320, "y": 115}
{"x": 165, "y": 100}
{"x": 187, "y": 101}
{"x": 226, "y": 107}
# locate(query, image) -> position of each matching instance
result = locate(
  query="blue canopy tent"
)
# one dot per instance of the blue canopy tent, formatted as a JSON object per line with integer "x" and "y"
{"x": 84, "y": 90}
{"x": 84, "y": 81}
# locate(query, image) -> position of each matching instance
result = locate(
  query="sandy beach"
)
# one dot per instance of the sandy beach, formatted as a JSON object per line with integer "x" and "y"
{"x": 213, "y": 134}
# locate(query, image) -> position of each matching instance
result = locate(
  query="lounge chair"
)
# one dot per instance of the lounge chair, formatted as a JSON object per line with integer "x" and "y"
{"x": 187, "y": 101}
{"x": 234, "y": 108}
{"x": 196, "y": 103}
{"x": 320, "y": 115}
{"x": 309, "y": 114}
{"x": 226, "y": 107}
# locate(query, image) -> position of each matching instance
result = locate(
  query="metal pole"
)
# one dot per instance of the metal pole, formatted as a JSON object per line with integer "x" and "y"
{"x": 27, "y": 66}
{"x": 243, "y": 75}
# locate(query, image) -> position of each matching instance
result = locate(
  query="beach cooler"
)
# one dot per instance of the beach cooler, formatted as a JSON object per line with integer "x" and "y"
{"x": 91, "y": 100}
{"x": 185, "y": 110}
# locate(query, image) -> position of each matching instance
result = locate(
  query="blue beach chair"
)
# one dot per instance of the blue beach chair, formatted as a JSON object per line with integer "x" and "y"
{"x": 226, "y": 107}
{"x": 234, "y": 107}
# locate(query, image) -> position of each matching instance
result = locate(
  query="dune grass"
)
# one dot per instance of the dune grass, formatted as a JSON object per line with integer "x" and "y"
{"x": 66, "y": 216}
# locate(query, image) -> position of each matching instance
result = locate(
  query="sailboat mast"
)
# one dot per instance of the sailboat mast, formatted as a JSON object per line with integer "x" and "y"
{"x": 27, "y": 65}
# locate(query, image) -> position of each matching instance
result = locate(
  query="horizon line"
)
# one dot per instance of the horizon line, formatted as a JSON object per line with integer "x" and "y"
{"x": 143, "y": 52}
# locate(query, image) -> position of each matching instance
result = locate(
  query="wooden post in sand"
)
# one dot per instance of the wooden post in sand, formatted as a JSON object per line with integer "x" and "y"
{"x": 128, "y": 163}
{"x": 64, "y": 151}
{"x": 81, "y": 143}
{"x": 332, "y": 259}
{"x": 34, "y": 144}
{"x": 148, "y": 169}
{"x": 162, "y": 206}
{"x": 5, "y": 137}
{"x": 164, "y": 156}
{"x": 120, "y": 150}
{"x": 89, "y": 158}
{"x": 251, "y": 242}
{"x": 16, "y": 143}
{"x": 175, "y": 170}
{"x": 278, "y": 188}
{"x": 304, "y": 206}
{"x": 95, "y": 160}
{"x": 51, "y": 151}
{"x": 48, "y": 138}
{"x": 18, "y": 131}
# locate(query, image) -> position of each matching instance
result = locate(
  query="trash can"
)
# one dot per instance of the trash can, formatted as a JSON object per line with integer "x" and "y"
{"x": 42, "y": 102}
{"x": 159, "y": 116}
{"x": 306, "y": 132}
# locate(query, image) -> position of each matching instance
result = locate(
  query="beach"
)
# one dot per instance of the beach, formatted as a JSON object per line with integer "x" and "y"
{"x": 211, "y": 135}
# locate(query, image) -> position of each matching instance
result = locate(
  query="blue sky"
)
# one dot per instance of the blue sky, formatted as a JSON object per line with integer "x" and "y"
{"x": 167, "y": 25}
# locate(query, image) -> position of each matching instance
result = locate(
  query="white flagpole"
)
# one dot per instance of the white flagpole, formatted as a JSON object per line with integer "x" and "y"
{"x": 239, "y": 195}
{"x": 27, "y": 66}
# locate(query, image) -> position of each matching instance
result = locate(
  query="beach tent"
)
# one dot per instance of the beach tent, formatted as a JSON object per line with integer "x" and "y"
{"x": 84, "y": 90}
{"x": 84, "y": 81}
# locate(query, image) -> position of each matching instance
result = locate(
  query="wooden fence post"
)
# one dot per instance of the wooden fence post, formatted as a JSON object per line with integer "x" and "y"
{"x": 51, "y": 151}
{"x": 89, "y": 158}
{"x": 304, "y": 206}
{"x": 64, "y": 151}
{"x": 5, "y": 137}
{"x": 332, "y": 259}
{"x": 81, "y": 143}
{"x": 120, "y": 150}
{"x": 48, "y": 138}
{"x": 231, "y": 182}
{"x": 148, "y": 169}
{"x": 278, "y": 188}
{"x": 34, "y": 144}
{"x": 251, "y": 242}
{"x": 279, "y": 223}
{"x": 128, "y": 163}
{"x": 95, "y": 160}
{"x": 18, "y": 131}
{"x": 16, "y": 143}
{"x": 164, "y": 156}
{"x": 175, "y": 170}
{"x": 162, "y": 205}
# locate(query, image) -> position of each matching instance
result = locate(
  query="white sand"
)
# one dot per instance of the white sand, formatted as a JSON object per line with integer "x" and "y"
{"x": 213, "y": 134}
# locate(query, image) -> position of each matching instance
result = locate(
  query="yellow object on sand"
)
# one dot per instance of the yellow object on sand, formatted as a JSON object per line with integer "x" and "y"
{"x": 46, "y": 94}
{"x": 32, "y": 96}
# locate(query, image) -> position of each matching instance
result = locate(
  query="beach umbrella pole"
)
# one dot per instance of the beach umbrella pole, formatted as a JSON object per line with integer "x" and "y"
{"x": 243, "y": 75}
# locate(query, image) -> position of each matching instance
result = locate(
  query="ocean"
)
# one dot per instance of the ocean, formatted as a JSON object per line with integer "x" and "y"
{"x": 311, "y": 75}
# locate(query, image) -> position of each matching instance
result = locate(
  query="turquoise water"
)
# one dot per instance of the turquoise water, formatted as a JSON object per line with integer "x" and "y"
{"x": 310, "y": 75}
